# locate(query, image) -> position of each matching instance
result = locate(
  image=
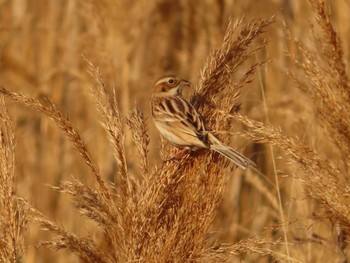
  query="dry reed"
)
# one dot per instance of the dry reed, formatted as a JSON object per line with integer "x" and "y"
{"x": 165, "y": 214}
{"x": 197, "y": 208}
{"x": 13, "y": 218}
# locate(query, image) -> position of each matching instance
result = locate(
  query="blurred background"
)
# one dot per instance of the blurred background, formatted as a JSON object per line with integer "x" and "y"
{"x": 134, "y": 43}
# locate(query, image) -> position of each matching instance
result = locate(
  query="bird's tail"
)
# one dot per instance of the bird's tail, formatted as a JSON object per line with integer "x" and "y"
{"x": 239, "y": 159}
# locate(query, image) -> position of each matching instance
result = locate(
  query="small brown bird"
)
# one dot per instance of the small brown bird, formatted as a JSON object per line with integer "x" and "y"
{"x": 181, "y": 124}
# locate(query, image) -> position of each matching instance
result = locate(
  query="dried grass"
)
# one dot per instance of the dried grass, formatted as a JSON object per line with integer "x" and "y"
{"x": 13, "y": 218}
{"x": 142, "y": 209}
{"x": 163, "y": 215}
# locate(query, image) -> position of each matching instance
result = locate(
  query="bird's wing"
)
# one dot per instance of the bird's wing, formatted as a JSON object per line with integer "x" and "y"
{"x": 176, "y": 111}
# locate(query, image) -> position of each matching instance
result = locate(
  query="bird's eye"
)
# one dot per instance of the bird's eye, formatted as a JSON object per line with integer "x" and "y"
{"x": 171, "y": 81}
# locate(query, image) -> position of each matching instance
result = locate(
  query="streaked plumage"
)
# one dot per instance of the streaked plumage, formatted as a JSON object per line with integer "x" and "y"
{"x": 180, "y": 123}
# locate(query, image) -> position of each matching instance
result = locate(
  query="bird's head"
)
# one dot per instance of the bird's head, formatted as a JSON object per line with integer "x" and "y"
{"x": 170, "y": 86}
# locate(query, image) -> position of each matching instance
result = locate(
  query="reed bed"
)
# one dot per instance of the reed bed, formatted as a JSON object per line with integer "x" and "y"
{"x": 85, "y": 176}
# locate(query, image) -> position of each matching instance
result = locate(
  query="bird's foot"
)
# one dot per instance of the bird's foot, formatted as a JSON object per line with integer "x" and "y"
{"x": 178, "y": 154}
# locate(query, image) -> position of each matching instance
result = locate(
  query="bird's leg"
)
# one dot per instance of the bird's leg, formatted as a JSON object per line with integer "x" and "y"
{"x": 183, "y": 151}
{"x": 178, "y": 154}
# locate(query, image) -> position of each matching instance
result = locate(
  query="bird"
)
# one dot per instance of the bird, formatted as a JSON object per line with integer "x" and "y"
{"x": 182, "y": 125}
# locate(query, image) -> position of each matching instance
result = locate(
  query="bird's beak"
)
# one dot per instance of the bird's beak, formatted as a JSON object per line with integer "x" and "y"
{"x": 185, "y": 83}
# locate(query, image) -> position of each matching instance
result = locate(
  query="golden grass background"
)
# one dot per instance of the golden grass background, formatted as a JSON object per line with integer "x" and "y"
{"x": 97, "y": 61}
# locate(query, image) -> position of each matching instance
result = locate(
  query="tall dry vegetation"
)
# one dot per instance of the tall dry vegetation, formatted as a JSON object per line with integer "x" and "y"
{"x": 14, "y": 212}
{"x": 129, "y": 205}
